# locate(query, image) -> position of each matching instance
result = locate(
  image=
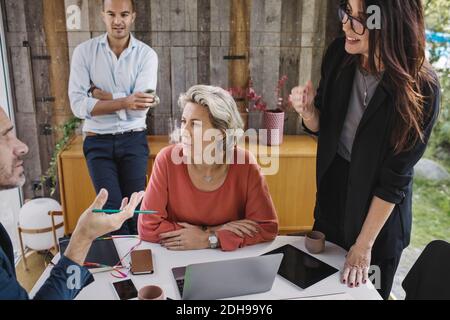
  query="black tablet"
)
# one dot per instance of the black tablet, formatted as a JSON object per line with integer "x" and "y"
{"x": 300, "y": 268}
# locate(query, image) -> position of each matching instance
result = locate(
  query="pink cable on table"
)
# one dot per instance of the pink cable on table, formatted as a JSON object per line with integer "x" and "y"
{"x": 118, "y": 266}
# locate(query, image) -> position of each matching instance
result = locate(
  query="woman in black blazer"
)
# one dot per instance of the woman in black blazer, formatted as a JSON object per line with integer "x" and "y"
{"x": 373, "y": 112}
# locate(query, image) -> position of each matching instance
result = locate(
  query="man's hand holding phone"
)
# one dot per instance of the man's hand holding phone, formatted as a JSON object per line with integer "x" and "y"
{"x": 156, "y": 99}
{"x": 139, "y": 101}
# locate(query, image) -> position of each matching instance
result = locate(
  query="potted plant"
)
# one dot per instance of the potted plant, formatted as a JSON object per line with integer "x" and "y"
{"x": 256, "y": 108}
{"x": 259, "y": 116}
{"x": 255, "y": 105}
{"x": 273, "y": 120}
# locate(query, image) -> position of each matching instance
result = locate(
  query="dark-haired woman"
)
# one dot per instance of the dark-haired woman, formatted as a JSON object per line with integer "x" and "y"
{"x": 373, "y": 112}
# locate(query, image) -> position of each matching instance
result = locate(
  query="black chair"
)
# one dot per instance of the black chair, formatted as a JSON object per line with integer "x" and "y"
{"x": 429, "y": 278}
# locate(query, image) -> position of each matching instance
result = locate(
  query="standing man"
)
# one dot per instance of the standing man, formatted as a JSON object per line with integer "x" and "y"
{"x": 108, "y": 80}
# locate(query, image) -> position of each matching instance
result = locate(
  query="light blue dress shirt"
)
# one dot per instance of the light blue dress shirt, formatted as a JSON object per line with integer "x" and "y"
{"x": 134, "y": 71}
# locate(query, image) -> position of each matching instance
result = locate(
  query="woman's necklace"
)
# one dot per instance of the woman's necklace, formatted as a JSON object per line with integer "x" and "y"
{"x": 208, "y": 179}
{"x": 366, "y": 89}
{"x": 211, "y": 177}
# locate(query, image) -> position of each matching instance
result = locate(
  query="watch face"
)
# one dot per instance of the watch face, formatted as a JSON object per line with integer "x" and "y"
{"x": 213, "y": 241}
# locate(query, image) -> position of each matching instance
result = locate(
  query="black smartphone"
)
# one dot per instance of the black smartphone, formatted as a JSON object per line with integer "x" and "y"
{"x": 125, "y": 289}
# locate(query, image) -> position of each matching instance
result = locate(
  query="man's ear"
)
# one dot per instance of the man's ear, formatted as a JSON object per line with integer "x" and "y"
{"x": 133, "y": 17}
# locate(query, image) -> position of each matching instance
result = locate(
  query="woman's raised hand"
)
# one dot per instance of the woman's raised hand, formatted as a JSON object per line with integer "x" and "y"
{"x": 302, "y": 99}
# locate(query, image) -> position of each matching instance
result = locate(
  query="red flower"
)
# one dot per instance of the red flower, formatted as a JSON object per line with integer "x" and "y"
{"x": 256, "y": 100}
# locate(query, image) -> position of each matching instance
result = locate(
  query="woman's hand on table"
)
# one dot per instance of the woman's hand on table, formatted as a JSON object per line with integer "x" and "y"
{"x": 189, "y": 238}
{"x": 357, "y": 264}
{"x": 195, "y": 237}
{"x": 241, "y": 228}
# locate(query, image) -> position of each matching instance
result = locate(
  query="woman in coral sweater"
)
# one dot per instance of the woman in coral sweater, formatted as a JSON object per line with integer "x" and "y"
{"x": 208, "y": 192}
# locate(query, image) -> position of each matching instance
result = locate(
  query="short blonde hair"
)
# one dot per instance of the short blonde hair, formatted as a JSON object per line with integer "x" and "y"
{"x": 223, "y": 111}
{"x": 222, "y": 108}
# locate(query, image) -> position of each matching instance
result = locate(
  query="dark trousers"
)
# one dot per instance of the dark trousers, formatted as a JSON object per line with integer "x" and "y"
{"x": 330, "y": 215}
{"x": 118, "y": 163}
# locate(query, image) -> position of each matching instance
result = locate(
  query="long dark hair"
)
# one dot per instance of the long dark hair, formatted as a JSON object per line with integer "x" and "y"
{"x": 401, "y": 46}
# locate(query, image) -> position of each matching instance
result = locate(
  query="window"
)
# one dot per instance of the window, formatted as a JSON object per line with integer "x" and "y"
{"x": 10, "y": 200}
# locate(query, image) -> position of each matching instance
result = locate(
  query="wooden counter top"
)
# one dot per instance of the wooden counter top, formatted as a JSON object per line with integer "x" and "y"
{"x": 293, "y": 146}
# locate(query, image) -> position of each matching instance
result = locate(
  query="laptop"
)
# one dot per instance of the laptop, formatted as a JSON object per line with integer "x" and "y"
{"x": 226, "y": 279}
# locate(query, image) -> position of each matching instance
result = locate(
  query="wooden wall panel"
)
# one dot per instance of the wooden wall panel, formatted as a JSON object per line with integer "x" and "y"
{"x": 291, "y": 35}
{"x": 265, "y": 48}
{"x": 164, "y": 80}
{"x": 238, "y": 68}
{"x": 142, "y": 24}
{"x": 178, "y": 77}
{"x": 204, "y": 41}
{"x": 191, "y": 37}
{"x": 22, "y": 77}
{"x": 220, "y": 28}
{"x": 95, "y": 21}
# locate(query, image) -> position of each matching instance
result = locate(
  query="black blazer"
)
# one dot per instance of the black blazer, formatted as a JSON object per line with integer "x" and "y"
{"x": 374, "y": 170}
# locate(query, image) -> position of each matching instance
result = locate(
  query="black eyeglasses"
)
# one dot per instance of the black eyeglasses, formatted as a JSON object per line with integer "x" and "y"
{"x": 357, "y": 25}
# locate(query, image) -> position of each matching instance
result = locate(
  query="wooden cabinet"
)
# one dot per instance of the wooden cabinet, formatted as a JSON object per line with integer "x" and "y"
{"x": 293, "y": 187}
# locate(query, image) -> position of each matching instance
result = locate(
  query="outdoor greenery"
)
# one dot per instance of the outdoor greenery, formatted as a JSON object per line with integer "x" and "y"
{"x": 49, "y": 179}
{"x": 438, "y": 19}
{"x": 431, "y": 212}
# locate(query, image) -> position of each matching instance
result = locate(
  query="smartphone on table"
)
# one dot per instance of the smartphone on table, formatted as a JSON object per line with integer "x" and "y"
{"x": 125, "y": 289}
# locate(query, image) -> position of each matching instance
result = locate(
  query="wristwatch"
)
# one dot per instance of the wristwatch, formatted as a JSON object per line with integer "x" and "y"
{"x": 213, "y": 241}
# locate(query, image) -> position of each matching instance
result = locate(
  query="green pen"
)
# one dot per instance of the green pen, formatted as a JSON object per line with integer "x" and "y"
{"x": 117, "y": 211}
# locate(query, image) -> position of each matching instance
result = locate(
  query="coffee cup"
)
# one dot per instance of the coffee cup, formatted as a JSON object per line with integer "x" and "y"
{"x": 156, "y": 101}
{"x": 315, "y": 242}
{"x": 151, "y": 293}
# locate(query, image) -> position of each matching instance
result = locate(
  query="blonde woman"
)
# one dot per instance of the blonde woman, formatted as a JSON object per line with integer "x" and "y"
{"x": 202, "y": 203}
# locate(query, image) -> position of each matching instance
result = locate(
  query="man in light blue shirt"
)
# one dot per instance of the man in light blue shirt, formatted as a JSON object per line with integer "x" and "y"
{"x": 110, "y": 78}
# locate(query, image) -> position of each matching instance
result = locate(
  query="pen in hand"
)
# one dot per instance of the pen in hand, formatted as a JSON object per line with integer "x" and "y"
{"x": 117, "y": 211}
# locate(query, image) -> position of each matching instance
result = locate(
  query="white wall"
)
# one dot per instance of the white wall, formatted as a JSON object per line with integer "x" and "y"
{"x": 10, "y": 200}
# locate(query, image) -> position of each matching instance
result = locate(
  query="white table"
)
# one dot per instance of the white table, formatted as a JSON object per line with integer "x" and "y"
{"x": 164, "y": 260}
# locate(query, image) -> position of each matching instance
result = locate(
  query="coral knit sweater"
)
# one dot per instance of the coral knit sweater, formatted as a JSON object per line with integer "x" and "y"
{"x": 243, "y": 195}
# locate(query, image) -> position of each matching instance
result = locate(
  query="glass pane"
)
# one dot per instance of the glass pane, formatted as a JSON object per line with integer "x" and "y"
{"x": 10, "y": 200}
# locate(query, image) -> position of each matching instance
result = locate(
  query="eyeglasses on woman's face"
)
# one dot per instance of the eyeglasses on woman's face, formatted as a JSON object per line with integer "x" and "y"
{"x": 356, "y": 24}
